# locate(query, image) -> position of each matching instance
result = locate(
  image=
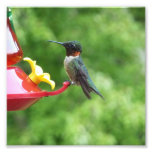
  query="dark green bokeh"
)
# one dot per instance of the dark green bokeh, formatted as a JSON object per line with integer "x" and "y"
{"x": 113, "y": 41}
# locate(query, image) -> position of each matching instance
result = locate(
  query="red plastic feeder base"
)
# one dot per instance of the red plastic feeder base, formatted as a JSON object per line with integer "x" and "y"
{"x": 22, "y": 92}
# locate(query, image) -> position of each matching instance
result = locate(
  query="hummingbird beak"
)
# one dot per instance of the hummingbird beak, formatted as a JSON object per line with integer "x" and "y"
{"x": 56, "y": 42}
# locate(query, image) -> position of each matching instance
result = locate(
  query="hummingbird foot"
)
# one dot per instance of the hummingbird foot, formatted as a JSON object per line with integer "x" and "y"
{"x": 71, "y": 82}
{"x": 68, "y": 81}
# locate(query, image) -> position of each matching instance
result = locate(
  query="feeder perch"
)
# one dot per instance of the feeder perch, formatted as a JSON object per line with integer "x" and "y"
{"x": 23, "y": 90}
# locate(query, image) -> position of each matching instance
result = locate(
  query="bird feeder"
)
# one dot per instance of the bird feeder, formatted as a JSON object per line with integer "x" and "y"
{"x": 23, "y": 90}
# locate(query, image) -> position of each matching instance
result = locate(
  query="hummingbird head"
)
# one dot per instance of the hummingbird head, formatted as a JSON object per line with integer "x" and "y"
{"x": 73, "y": 48}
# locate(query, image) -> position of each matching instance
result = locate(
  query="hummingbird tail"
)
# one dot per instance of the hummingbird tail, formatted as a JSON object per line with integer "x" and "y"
{"x": 85, "y": 87}
{"x": 87, "y": 90}
{"x": 98, "y": 93}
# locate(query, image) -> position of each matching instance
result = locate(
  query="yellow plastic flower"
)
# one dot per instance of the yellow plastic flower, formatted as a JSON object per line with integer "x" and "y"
{"x": 37, "y": 74}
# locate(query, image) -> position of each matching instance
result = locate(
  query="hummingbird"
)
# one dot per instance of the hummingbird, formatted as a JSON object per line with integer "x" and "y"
{"x": 76, "y": 69}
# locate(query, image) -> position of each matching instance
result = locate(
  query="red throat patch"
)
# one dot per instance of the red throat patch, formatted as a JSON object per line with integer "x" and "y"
{"x": 76, "y": 53}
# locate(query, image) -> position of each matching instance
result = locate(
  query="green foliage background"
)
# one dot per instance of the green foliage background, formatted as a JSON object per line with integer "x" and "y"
{"x": 113, "y": 41}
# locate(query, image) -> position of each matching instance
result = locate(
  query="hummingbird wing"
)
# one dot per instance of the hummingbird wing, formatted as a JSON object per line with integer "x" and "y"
{"x": 84, "y": 79}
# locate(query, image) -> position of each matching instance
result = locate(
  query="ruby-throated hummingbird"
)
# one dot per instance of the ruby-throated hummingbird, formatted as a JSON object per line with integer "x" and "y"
{"x": 76, "y": 69}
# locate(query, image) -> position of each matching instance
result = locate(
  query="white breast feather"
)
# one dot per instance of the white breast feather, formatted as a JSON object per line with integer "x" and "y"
{"x": 70, "y": 72}
{"x": 68, "y": 59}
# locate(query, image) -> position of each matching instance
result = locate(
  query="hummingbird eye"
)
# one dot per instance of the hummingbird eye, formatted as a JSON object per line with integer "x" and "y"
{"x": 73, "y": 47}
